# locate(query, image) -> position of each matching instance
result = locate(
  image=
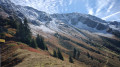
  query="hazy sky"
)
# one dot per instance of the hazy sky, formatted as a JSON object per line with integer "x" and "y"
{"x": 105, "y": 9}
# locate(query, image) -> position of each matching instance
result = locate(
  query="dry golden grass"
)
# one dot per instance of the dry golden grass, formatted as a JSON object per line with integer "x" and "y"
{"x": 12, "y": 30}
{"x": 8, "y": 35}
{"x": 36, "y": 57}
{"x": 39, "y": 60}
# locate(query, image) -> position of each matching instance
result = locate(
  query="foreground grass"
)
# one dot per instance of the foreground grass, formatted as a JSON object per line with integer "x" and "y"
{"x": 29, "y": 57}
{"x": 39, "y": 60}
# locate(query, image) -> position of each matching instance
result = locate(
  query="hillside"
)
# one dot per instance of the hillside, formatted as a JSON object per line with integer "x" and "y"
{"x": 18, "y": 54}
{"x": 89, "y": 54}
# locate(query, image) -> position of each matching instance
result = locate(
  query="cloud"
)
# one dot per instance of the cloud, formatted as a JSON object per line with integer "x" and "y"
{"x": 100, "y": 8}
{"x": 61, "y": 2}
{"x": 100, "y": 5}
{"x": 49, "y": 6}
{"x": 97, "y": 7}
{"x": 27, "y": 0}
{"x": 89, "y": 9}
{"x": 70, "y": 2}
{"x": 110, "y": 7}
{"x": 110, "y": 15}
{"x": 105, "y": 9}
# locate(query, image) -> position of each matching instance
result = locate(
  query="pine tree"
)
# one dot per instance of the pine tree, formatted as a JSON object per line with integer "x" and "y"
{"x": 14, "y": 24}
{"x": 27, "y": 32}
{"x": 78, "y": 54}
{"x": 20, "y": 31}
{"x": 88, "y": 55}
{"x": 43, "y": 46}
{"x": 54, "y": 53}
{"x": 46, "y": 48}
{"x": 59, "y": 54}
{"x": 91, "y": 57}
{"x": 70, "y": 59}
{"x": 23, "y": 32}
{"x": 2, "y": 35}
{"x": 34, "y": 44}
{"x": 40, "y": 42}
{"x": 74, "y": 53}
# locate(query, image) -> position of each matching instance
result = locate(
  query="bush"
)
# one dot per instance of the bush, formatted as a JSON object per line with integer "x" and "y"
{"x": 2, "y": 35}
{"x": 54, "y": 53}
{"x": 70, "y": 59}
{"x": 74, "y": 53}
{"x": 60, "y": 55}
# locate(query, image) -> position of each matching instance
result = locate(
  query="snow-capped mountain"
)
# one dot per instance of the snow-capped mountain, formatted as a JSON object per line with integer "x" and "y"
{"x": 64, "y": 23}
{"x": 82, "y": 21}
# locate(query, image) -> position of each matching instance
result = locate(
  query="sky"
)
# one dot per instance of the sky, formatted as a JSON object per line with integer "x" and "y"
{"x": 105, "y": 9}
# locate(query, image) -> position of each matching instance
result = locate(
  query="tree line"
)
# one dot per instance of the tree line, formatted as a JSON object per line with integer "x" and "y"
{"x": 59, "y": 55}
{"x": 76, "y": 54}
{"x": 24, "y": 35}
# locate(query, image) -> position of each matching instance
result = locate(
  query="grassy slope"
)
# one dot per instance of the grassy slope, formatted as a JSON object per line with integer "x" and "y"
{"x": 14, "y": 53}
{"x": 100, "y": 55}
{"x": 29, "y": 57}
{"x": 19, "y": 54}
{"x": 106, "y": 57}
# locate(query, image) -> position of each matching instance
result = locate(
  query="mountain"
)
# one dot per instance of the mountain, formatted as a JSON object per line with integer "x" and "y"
{"x": 77, "y": 20}
{"x": 96, "y": 39}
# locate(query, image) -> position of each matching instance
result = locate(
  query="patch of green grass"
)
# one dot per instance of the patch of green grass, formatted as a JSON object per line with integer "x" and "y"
{"x": 19, "y": 43}
{"x": 12, "y": 44}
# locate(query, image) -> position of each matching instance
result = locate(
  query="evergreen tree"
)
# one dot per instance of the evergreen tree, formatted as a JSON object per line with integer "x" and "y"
{"x": 70, "y": 59}
{"x": 46, "y": 48}
{"x": 33, "y": 44}
{"x": 14, "y": 24}
{"x": 59, "y": 54}
{"x": 2, "y": 35}
{"x": 78, "y": 54}
{"x": 40, "y": 42}
{"x": 23, "y": 32}
{"x": 54, "y": 53}
{"x": 74, "y": 53}
{"x": 88, "y": 55}
{"x": 20, "y": 31}
{"x": 27, "y": 32}
{"x": 91, "y": 57}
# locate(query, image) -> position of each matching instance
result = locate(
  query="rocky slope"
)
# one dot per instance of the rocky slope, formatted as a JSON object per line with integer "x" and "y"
{"x": 77, "y": 20}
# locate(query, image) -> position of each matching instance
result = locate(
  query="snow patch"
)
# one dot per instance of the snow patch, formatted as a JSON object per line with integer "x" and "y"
{"x": 105, "y": 35}
{"x": 114, "y": 27}
{"x": 43, "y": 28}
